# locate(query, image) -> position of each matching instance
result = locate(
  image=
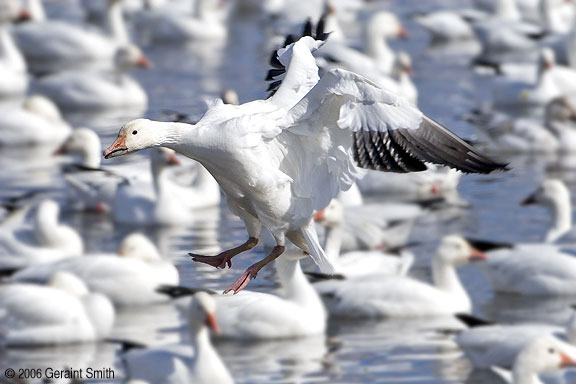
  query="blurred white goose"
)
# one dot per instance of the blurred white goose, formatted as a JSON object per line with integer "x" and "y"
{"x": 507, "y": 134}
{"x": 37, "y": 121}
{"x": 450, "y": 25}
{"x": 378, "y": 57}
{"x": 506, "y": 34}
{"x": 51, "y": 46}
{"x": 93, "y": 90}
{"x": 61, "y": 312}
{"x": 547, "y": 86}
{"x": 495, "y": 344}
{"x": 205, "y": 23}
{"x": 398, "y": 296}
{"x": 399, "y": 82}
{"x": 544, "y": 354}
{"x": 538, "y": 269}
{"x": 168, "y": 202}
{"x": 92, "y": 187}
{"x": 127, "y": 278}
{"x": 433, "y": 183}
{"x": 295, "y": 311}
{"x": 13, "y": 71}
{"x": 271, "y": 169}
{"x": 178, "y": 364}
{"x": 363, "y": 232}
{"x": 50, "y": 240}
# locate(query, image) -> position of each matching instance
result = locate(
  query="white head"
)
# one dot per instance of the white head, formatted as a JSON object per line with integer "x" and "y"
{"x": 229, "y": 96}
{"x": 10, "y": 11}
{"x": 332, "y": 215}
{"x": 160, "y": 158}
{"x": 201, "y": 312}
{"x": 68, "y": 283}
{"x": 455, "y": 250}
{"x": 560, "y": 109}
{"x": 133, "y": 136}
{"x": 546, "y": 60}
{"x": 403, "y": 63}
{"x": 549, "y": 193}
{"x": 138, "y": 246}
{"x": 543, "y": 355}
{"x": 130, "y": 56}
{"x": 101, "y": 312}
{"x": 43, "y": 107}
{"x": 85, "y": 142}
{"x": 386, "y": 25}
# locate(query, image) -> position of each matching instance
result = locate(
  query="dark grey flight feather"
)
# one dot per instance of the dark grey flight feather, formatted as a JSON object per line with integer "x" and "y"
{"x": 406, "y": 150}
{"x": 176, "y": 291}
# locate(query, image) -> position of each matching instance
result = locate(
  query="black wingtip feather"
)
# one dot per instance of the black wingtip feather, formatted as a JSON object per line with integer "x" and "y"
{"x": 472, "y": 321}
{"x": 486, "y": 245}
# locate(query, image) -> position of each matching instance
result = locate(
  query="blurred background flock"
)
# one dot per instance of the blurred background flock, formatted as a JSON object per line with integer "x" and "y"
{"x": 443, "y": 277}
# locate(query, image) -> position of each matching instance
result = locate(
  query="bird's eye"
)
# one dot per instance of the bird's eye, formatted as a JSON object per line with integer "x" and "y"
{"x": 552, "y": 350}
{"x": 134, "y": 132}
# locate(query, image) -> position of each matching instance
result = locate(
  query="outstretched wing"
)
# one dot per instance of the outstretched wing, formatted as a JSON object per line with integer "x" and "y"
{"x": 387, "y": 133}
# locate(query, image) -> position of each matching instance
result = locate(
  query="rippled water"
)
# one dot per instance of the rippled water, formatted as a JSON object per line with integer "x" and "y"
{"x": 368, "y": 352}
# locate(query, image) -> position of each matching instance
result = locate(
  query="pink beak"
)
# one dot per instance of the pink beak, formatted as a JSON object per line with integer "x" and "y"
{"x": 318, "y": 216}
{"x": 118, "y": 148}
{"x": 476, "y": 255}
{"x": 24, "y": 15}
{"x": 173, "y": 160}
{"x": 143, "y": 62}
{"x": 403, "y": 33}
{"x": 212, "y": 323}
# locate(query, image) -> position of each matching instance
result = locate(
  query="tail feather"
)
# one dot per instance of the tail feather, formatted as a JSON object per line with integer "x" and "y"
{"x": 316, "y": 251}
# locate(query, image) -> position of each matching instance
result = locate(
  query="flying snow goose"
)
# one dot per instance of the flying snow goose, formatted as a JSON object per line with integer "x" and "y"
{"x": 37, "y": 122}
{"x": 13, "y": 70}
{"x": 399, "y": 296}
{"x": 296, "y": 311}
{"x": 494, "y": 344}
{"x": 50, "y": 240}
{"x": 94, "y": 90}
{"x": 544, "y": 354}
{"x": 273, "y": 157}
{"x": 175, "y": 364}
{"x": 62, "y": 312}
{"x": 127, "y": 278}
{"x": 51, "y": 46}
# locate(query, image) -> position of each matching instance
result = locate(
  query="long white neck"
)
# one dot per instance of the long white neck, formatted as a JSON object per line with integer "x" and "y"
{"x": 36, "y": 10}
{"x": 561, "y": 208}
{"x": 9, "y": 52}
{"x": 376, "y": 46}
{"x": 187, "y": 139}
{"x": 522, "y": 374}
{"x": 446, "y": 279}
{"x": 207, "y": 366}
{"x": 115, "y": 26}
{"x": 333, "y": 243}
{"x": 506, "y": 10}
{"x": 46, "y": 228}
{"x": 571, "y": 46}
{"x": 92, "y": 155}
{"x": 296, "y": 287}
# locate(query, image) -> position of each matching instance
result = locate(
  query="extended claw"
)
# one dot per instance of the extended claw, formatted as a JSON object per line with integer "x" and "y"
{"x": 243, "y": 280}
{"x": 219, "y": 261}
